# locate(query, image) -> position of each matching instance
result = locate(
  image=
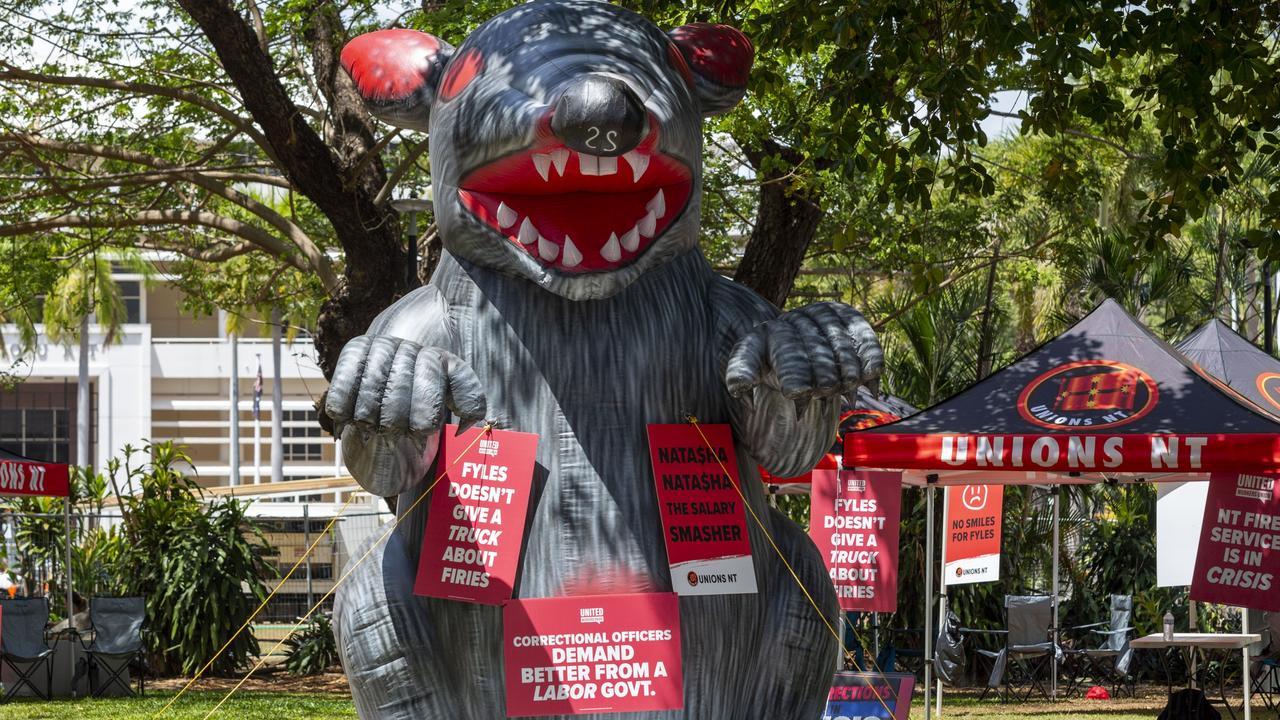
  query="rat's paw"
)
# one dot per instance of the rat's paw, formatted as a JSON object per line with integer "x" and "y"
{"x": 818, "y": 351}
{"x": 391, "y": 385}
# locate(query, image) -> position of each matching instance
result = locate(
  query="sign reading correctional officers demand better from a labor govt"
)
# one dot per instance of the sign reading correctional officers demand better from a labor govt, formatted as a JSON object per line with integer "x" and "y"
{"x": 703, "y": 518}
{"x": 592, "y": 654}
{"x": 1239, "y": 554}
{"x": 866, "y": 695}
{"x": 972, "y": 546}
{"x": 853, "y": 519}
{"x": 476, "y": 522}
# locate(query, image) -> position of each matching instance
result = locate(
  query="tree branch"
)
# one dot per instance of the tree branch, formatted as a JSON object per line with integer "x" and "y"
{"x": 1129, "y": 154}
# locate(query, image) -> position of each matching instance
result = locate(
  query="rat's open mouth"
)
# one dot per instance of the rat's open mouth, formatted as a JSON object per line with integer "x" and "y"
{"x": 579, "y": 212}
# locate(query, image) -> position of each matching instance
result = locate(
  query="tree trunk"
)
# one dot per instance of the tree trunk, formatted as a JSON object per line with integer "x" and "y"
{"x": 786, "y": 223}
{"x": 334, "y": 177}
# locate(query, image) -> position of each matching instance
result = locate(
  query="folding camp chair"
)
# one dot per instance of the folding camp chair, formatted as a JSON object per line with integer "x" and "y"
{"x": 23, "y": 645}
{"x": 1266, "y": 669}
{"x": 117, "y": 625}
{"x": 1018, "y": 667}
{"x": 1108, "y": 663}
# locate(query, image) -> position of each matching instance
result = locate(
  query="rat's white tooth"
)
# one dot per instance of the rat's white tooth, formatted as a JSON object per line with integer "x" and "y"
{"x": 612, "y": 251}
{"x": 571, "y": 254}
{"x": 588, "y": 164}
{"x": 631, "y": 240}
{"x": 608, "y": 165}
{"x": 639, "y": 162}
{"x": 542, "y": 163}
{"x": 658, "y": 205}
{"x": 559, "y": 157}
{"x": 528, "y": 233}
{"x": 547, "y": 250}
{"x": 506, "y": 216}
{"x": 647, "y": 225}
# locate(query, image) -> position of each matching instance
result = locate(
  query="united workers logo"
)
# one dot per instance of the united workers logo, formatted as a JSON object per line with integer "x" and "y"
{"x": 863, "y": 418}
{"x": 693, "y": 578}
{"x": 591, "y": 616}
{"x": 489, "y": 447}
{"x": 1269, "y": 386}
{"x": 1091, "y": 394}
{"x": 974, "y": 497}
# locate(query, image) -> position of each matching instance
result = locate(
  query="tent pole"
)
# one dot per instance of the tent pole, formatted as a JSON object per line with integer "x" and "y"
{"x": 942, "y": 586}
{"x": 1244, "y": 629}
{"x": 71, "y": 646}
{"x": 1056, "y": 496}
{"x": 928, "y": 599}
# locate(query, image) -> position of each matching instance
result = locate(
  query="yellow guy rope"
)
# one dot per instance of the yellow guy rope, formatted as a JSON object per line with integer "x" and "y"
{"x": 849, "y": 656}
{"x": 391, "y": 526}
{"x": 276, "y": 589}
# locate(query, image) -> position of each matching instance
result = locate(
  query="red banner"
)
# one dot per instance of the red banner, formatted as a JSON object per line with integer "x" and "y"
{"x": 853, "y": 519}
{"x": 972, "y": 548}
{"x": 475, "y": 524}
{"x": 1239, "y": 554}
{"x": 592, "y": 654}
{"x": 703, "y": 518}
{"x": 1066, "y": 452}
{"x": 22, "y": 477}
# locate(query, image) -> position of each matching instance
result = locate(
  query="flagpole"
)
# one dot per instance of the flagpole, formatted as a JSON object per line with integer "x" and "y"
{"x": 257, "y": 425}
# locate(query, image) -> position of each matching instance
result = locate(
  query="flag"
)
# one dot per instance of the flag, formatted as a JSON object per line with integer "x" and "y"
{"x": 1101, "y": 391}
{"x": 257, "y": 392}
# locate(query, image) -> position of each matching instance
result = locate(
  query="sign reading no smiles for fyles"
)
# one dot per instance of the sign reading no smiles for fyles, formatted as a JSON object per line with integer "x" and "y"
{"x": 972, "y": 546}
{"x": 1239, "y": 554}
{"x": 476, "y": 522}
{"x": 853, "y": 520}
{"x": 703, "y": 520}
{"x": 592, "y": 654}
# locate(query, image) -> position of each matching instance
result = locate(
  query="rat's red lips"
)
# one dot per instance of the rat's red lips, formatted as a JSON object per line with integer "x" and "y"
{"x": 577, "y": 212}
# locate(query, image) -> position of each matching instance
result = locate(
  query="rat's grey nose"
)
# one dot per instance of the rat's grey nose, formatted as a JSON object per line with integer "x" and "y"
{"x": 599, "y": 115}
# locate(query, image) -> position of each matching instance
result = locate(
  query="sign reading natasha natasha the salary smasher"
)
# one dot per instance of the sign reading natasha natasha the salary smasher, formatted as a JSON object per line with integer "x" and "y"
{"x": 703, "y": 518}
{"x": 589, "y": 654}
{"x": 475, "y": 525}
{"x": 1239, "y": 554}
{"x": 972, "y": 546}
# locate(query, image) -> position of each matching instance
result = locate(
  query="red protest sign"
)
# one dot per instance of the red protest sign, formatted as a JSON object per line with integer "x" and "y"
{"x": 972, "y": 548}
{"x": 703, "y": 519}
{"x": 592, "y": 654}
{"x": 1239, "y": 554}
{"x": 853, "y": 519}
{"x": 475, "y": 524}
{"x": 28, "y": 477}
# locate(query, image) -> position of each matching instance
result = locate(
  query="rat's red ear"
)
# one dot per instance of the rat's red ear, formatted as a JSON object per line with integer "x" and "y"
{"x": 397, "y": 72}
{"x": 720, "y": 57}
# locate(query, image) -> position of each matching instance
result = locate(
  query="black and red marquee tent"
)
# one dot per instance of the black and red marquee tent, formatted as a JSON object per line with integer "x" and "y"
{"x": 1105, "y": 399}
{"x": 1243, "y": 366}
{"x": 23, "y": 476}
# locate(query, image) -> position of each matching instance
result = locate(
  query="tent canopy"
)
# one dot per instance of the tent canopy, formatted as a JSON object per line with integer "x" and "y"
{"x": 21, "y": 475}
{"x": 1104, "y": 400}
{"x": 1246, "y": 368}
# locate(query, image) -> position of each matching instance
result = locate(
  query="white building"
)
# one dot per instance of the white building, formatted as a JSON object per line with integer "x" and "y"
{"x": 169, "y": 378}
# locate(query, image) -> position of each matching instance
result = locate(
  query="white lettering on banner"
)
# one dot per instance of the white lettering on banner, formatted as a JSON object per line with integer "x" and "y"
{"x": 14, "y": 477}
{"x": 1166, "y": 451}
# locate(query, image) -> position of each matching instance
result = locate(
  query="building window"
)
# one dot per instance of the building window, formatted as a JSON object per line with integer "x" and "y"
{"x": 38, "y": 433}
{"x": 302, "y": 436}
{"x": 131, "y": 294}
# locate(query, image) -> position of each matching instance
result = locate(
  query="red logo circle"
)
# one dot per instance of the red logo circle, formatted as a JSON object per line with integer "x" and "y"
{"x": 863, "y": 418}
{"x": 1269, "y": 386}
{"x": 1088, "y": 394}
{"x": 693, "y": 578}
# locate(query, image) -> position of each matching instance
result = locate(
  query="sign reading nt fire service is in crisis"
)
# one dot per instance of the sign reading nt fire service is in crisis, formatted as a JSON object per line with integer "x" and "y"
{"x": 592, "y": 654}
{"x": 1239, "y": 554}
{"x": 853, "y": 519}
{"x": 703, "y": 517}
{"x": 972, "y": 548}
{"x": 475, "y": 525}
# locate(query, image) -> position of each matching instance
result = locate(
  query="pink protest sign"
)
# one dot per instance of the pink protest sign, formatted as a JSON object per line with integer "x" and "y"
{"x": 1239, "y": 554}
{"x": 854, "y": 522}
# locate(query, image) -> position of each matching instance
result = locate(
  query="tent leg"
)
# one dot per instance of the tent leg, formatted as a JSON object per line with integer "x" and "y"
{"x": 1244, "y": 628}
{"x": 1056, "y": 493}
{"x": 942, "y": 588}
{"x": 71, "y": 652}
{"x": 928, "y": 603}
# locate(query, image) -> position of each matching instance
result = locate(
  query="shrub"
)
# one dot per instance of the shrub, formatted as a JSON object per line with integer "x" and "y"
{"x": 313, "y": 648}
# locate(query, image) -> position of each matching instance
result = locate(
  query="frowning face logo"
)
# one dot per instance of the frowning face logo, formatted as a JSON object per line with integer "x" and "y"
{"x": 974, "y": 497}
{"x": 1092, "y": 394}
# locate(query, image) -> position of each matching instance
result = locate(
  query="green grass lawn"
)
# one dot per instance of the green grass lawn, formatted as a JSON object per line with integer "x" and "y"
{"x": 243, "y": 705}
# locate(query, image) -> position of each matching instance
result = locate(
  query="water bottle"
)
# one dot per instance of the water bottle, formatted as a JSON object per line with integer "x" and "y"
{"x": 1168, "y": 626}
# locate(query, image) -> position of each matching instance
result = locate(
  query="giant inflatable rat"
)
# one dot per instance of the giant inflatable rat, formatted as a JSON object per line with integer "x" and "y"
{"x": 572, "y": 301}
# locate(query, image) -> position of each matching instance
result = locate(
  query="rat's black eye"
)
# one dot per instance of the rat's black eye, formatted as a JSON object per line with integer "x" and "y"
{"x": 462, "y": 70}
